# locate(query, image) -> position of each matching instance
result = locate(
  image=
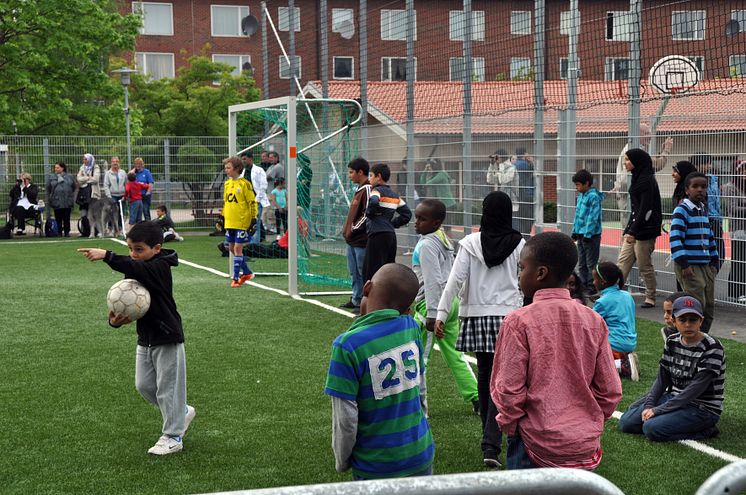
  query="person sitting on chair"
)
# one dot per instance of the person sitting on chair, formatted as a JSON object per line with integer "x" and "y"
{"x": 23, "y": 201}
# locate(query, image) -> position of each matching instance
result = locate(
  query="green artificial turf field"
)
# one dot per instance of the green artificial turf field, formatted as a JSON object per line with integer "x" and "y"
{"x": 73, "y": 422}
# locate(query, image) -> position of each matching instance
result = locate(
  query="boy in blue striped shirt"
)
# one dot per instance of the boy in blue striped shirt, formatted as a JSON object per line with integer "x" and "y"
{"x": 693, "y": 247}
{"x": 379, "y": 428}
{"x": 586, "y": 227}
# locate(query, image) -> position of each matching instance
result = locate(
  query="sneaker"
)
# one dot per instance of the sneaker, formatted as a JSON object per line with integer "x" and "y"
{"x": 179, "y": 238}
{"x": 245, "y": 278}
{"x": 21, "y": 232}
{"x": 166, "y": 445}
{"x": 349, "y": 305}
{"x": 475, "y": 407}
{"x": 634, "y": 367}
{"x": 742, "y": 299}
{"x": 626, "y": 370}
{"x": 190, "y": 414}
{"x": 235, "y": 283}
{"x": 491, "y": 461}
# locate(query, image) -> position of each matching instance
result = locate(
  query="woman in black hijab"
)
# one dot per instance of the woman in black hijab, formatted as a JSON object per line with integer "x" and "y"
{"x": 485, "y": 278}
{"x": 644, "y": 224}
{"x": 680, "y": 171}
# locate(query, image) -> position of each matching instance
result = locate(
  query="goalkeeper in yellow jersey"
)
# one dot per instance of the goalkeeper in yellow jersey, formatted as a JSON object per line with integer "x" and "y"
{"x": 239, "y": 210}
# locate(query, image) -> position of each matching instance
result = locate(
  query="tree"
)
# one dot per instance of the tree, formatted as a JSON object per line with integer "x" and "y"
{"x": 196, "y": 102}
{"x": 53, "y": 65}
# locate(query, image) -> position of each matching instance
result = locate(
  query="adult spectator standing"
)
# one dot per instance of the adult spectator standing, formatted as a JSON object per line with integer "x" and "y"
{"x": 23, "y": 201}
{"x": 439, "y": 182}
{"x": 143, "y": 175}
{"x": 89, "y": 186}
{"x": 114, "y": 181}
{"x": 703, "y": 163}
{"x": 354, "y": 229}
{"x": 259, "y": 181}
{"x": 644, "y": 224}
{"x": 61, "y": 196}
{"x": 265, "y": 164}
{"x": 525, "y": 170}
{"x": 734, "y": 201}
{"x": 621, "y": 180}
{"x": 504, "y": 176}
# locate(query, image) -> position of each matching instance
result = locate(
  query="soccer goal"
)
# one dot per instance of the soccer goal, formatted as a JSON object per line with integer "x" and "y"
{"x": 314, "y": 139}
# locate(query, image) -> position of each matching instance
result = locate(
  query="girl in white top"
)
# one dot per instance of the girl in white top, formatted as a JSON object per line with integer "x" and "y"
{"x": 485, "y": 276}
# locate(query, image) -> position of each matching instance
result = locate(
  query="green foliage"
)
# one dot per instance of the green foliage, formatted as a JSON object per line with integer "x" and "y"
{"x": 195, "y": 102}
{"x": 53, "y": 64}
{"x": 550, "y": 212}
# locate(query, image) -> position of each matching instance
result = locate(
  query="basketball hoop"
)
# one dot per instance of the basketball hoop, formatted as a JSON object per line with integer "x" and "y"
{"x": 674, "y": 75}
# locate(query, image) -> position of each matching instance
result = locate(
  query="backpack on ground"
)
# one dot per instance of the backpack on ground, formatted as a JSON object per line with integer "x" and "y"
{"x": 51, "y": 229}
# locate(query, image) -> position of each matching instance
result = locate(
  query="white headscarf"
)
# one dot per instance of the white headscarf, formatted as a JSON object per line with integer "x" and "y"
{"x": 90, "y": 161}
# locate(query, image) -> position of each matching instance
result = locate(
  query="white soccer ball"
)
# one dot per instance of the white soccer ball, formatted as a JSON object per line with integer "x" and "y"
{"x": 128, "y": 297}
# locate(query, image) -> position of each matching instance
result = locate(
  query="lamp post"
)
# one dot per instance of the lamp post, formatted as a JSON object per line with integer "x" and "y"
{"x": 124, "y": 73}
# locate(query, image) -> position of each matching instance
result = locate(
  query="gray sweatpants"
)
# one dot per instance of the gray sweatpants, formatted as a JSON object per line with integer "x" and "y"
{"x": 160, "y": 377}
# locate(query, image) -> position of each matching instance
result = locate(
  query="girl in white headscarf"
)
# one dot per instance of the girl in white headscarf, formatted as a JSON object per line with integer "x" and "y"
{"x": 89, "y": 188}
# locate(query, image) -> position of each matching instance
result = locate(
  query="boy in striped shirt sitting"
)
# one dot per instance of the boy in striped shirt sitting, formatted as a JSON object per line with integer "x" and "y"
{"x": 686, "y": 399}
{"x": 375, "y": 381}
{"x": 693, "y": 246}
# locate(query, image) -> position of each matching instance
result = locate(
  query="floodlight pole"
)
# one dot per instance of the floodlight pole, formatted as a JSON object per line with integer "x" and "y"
{"x": 125, "y": 72}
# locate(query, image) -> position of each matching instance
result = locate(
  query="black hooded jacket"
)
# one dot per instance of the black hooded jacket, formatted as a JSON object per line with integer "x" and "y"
{"x": 646, "y": 218}
{"x": 162, "y": 323}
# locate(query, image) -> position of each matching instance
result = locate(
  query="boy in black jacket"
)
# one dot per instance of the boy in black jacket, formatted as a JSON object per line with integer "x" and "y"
{"x": 160, "y": 367}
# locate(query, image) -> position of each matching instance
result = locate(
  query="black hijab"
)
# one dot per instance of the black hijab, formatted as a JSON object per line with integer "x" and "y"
{"x": 643, "y": 166}
{"x": 683, "y": 168}
{"x": 499, "y": 238}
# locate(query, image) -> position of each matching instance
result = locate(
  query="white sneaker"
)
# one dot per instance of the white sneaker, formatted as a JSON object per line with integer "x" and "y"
{"x": 166, "y": 445}
{"x": 179, "y": 238}
{"x": 190, "y": 414}
{"x": 634, "y": 367}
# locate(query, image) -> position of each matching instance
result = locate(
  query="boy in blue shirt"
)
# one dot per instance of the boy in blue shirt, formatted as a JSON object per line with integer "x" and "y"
{"x": 693, "y": 247}
{"x": 279, "y": 200}
{"x": 379, "y": 428}
{"x": 586, "y": 227}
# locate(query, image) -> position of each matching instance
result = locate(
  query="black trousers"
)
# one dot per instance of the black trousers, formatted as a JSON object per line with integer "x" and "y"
{"x": 491, "y": 435}
{"x": 21, "y": 214}
{"x": 62, "y": 215}
{"x": 737, "y": 276}
{"x": 381, "y": 249}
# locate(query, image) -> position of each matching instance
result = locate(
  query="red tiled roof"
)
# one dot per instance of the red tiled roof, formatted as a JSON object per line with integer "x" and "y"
{"x": 506, "y": 107}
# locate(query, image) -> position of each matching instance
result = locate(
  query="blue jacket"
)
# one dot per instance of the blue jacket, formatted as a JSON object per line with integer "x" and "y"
{"x": 381, "y": 210}
{"x": 588, "y": 214}
{"x": 692, "y": 242}
{"x": 713, "y": 198}
{"x": 618, "y": 311}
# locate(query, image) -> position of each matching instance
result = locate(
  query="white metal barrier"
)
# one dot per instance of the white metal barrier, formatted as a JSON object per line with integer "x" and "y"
{"x": 731, "y": 480}
{"x": 521, "y": 482}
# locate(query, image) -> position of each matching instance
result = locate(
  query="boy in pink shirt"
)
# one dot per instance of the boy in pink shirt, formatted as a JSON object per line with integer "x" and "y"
{"x": 553, "y": 380}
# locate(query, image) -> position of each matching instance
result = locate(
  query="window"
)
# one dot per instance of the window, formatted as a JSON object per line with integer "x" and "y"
{"x": 458, "y": 66}
{"x": 343, "y": 22}
{"x": 617, "y": 69}
{"x": 740, "y": 17}
{"x": 395, "y": 69}
{"x": 283, "y": 16}
{"x": 688, "y": 24}
{"x": 238, "y": 62}
{"x": 520, "y": 68}
{"x": 520, "y": 22}
{"x": 394, "y": 25}
{"x": 226, "y": 19}
{"x": 618, "y": 26}
{"x": 285, "y": 68}
{"x": 737, "y": 65}
{"x": 699, "y": 62}
{"x": 155, "y": 65}
{"x": 565, "y": 67}
{"x": 157, "y": 18}
{"x": 457, "y": 25}
{"x": 566, "y": 19}
{"x": 343, "y": 68}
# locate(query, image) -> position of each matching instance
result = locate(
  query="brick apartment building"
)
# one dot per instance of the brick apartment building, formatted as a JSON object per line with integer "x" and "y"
{"x": 502, "y": 37}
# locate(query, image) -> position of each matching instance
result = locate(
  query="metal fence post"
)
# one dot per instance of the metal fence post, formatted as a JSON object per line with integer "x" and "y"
{"x": 363, "y": 30}
{"x": 167, "y": 170}
{"x": 45, "y": 148}
{"x": 538, "y": 151}
{"x": 634, "y": 74}
{"x": 468, "y": 188}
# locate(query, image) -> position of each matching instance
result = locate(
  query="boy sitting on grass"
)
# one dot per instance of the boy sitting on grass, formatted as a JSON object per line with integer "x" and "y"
{"x": 167, "y": 225}
{"x": 375, "y": 381}
{"x": 686, "y": 399}
{"x": 670, "y": 328}
{"x": 160, "y": 363}
{"x": 553, "y": 380}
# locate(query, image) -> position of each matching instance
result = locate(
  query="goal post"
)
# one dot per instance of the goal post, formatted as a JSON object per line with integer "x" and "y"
{"x": 315, "y": 139}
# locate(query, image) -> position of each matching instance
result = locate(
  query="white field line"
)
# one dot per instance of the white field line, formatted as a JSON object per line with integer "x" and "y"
{"x": 698, "y": 446}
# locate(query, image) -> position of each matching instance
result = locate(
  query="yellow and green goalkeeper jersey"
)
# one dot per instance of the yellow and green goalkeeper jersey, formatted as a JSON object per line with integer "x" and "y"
{"x": 239, "y": 203}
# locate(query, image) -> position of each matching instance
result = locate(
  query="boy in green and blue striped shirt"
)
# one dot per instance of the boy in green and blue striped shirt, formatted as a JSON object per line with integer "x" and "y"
{"x": 379, "y": 428}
